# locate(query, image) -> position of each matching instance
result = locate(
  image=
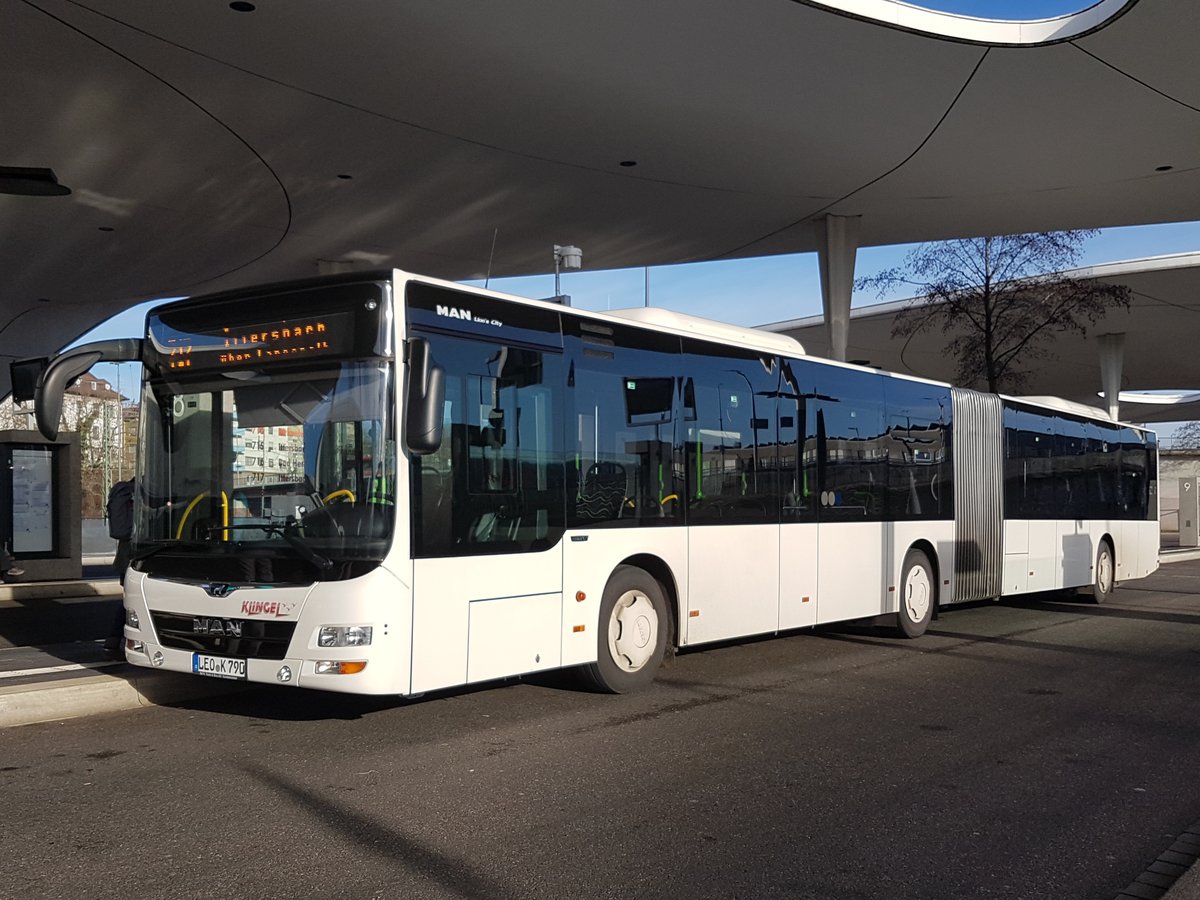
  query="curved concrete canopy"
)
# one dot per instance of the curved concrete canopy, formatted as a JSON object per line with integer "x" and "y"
{"x": 204, "y": 146}
{"x": 1160, "y": 328}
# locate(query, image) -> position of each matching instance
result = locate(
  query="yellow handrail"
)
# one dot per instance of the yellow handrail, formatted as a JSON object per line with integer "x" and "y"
{"x": 224, "y": 515}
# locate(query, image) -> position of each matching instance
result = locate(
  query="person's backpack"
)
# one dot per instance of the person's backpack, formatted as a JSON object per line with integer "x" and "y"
{"x": 120, "y": 511}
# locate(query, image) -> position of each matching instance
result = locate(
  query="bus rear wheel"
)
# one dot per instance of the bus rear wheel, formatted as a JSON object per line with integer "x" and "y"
{"x": 633, "y": 632}
{"x": 1105, "y": 573}
{"x": 918, "y": 595}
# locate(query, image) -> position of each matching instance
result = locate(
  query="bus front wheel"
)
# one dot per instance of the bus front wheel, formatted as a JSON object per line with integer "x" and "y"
{"x": 918, "y": 594}
{"x": 633, "y": 632}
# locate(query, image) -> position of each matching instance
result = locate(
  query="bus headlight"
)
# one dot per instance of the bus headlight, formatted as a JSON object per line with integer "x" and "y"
{"x": 344, "y": 636}
{"x": 131, "y": 619}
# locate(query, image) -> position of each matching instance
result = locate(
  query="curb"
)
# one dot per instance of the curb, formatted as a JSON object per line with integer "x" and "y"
{"x": 59, "y": 590}
{"x": 29, "y": 704}
{"x": 1178, "y": 555}
{"x": 1173, "y": 874}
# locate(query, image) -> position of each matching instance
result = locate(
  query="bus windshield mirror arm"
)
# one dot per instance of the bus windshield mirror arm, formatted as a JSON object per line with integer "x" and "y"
{"x": 66, "y": 367}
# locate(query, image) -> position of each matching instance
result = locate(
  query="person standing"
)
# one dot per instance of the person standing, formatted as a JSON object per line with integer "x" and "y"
{"x": 8, "y": 565}
{"x": 119, "y": 509}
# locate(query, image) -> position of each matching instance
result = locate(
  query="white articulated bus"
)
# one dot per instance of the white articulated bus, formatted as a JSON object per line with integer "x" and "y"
{"x": 387, "y": 484}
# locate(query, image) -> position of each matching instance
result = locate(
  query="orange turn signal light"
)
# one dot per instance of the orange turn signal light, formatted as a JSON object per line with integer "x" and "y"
{"x": 340, "y": 667}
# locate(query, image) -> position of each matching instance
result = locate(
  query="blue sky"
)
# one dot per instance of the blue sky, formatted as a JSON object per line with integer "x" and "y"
{"x": 1007, "y": 9}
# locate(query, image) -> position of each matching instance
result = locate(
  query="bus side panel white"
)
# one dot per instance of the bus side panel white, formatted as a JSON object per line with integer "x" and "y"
{"x": 1016, "y": 573}
{"x": 1077, "y": 542}
{"x": 940, "y": 534}
{"x": 379, "y": 599}
{"x": 1137, "y": 556}
{"x": 1125, "y": 536}
{"x": 443, "y": 590}
{"x": 798, "y": 553}
{"x": 733, "y": 578}
{"x": 1016, "y": 556}
{"x": 1043, "y": 558}
{"x": 1137, "y": 549}
{"x": 1016, "y": 536}
{"x": 851, "y": 561}
{"x": 513, "y": 635}
{"x": 1149, "y": 538}
{"x": 589, "y": 558}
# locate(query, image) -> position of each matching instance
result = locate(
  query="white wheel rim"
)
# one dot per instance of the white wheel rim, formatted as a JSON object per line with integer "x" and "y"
{"x": 917, "y": 593}
{"x": 1104, "y": 572}
{"x": 632, "y": 631}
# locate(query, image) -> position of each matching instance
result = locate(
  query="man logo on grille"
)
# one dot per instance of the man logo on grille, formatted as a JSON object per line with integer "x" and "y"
{"x": 224, "y": 627}
{"x": 218, "y": 590}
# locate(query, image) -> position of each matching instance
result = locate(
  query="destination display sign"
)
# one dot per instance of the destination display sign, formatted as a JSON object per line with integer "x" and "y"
{"x": 245, "y": 331}
{"x": 236, "y": 346}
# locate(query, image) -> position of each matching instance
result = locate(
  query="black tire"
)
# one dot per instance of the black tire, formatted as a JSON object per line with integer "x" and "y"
{"x": 1105, "y": 573}
{"x": 918, "y": 595}
{"x": 633, "y": 628}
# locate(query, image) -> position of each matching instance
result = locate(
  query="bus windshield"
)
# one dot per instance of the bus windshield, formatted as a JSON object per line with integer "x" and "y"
{"x": 278, "y": 475}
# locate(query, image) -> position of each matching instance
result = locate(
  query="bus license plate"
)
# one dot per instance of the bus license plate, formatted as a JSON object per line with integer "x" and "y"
{"x": 219, "y": 666}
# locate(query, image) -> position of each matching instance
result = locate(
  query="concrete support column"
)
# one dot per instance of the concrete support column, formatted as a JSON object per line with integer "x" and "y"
{"x": 837, "y": 247}
{"x": 1112, "y": 358}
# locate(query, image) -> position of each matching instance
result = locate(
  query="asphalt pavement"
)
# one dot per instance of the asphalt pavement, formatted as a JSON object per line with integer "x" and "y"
{"x": 52, "y": 669}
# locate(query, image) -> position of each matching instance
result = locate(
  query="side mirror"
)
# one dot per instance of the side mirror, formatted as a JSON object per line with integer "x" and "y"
{"x": 66, "y": 367}
{"x": 24, "y": 374}
{"x": 424, "y": 400}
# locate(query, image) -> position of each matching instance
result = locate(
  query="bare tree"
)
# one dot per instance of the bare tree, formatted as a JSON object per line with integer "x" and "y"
{"x": 1000, "y": 300}
{"x": 1188, "y": 436}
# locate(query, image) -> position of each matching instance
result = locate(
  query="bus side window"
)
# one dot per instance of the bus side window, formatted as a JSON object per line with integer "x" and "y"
{"x": 495, "y": 483}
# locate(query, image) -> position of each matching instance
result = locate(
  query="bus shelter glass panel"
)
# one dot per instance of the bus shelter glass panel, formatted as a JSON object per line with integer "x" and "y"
{"x": 33, "y": 501}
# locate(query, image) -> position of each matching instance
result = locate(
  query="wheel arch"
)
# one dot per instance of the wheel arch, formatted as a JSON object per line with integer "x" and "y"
{"x": 661, "y": 572}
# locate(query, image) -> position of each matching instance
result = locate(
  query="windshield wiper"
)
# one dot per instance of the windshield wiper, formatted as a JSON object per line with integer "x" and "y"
{"x": 297, "y": 543}
{"x": 160, "y": 546}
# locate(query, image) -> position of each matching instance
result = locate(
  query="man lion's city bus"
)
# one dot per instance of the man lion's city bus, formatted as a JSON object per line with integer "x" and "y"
{"x": 387, "y": 484}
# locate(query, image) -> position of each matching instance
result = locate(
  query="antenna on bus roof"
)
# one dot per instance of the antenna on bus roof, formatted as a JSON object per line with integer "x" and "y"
{"x": 491, "y": 256}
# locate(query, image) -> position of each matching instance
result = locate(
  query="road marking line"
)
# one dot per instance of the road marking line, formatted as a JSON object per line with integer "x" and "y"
{"x": 70, "y": 667}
